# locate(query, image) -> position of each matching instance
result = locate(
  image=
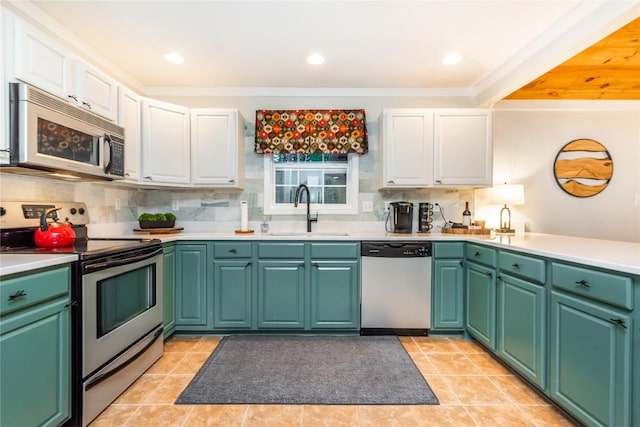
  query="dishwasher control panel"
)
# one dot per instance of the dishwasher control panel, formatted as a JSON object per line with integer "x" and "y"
{"x": 394, "y": 249}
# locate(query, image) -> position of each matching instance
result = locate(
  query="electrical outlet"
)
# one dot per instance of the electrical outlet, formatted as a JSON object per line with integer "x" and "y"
{"x": 386, "y": 206}
{"x": 117, "y": 204}
{"x": 175, "y": 205}
{"x": 436, "y": 207}
{"x": 367, "y": 206}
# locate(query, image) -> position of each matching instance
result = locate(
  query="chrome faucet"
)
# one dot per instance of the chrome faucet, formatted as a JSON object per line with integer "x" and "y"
{"x": 295, "y": 204}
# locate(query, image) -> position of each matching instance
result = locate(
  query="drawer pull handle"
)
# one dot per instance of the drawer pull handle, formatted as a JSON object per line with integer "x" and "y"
{"x": 18, "y": 294}
{"x": 516, "y": 266}
{"x": 233, "y": 251}
{"x": 490, "y": 274}
{"x": 583, "y": 283}
{"x": 476, "y": 254}
{"x": 461, "y": 264}
{"x": 619, "y": 322}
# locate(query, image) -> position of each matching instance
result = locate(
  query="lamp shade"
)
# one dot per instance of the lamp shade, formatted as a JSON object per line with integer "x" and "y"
{"x": 508, "y": 194}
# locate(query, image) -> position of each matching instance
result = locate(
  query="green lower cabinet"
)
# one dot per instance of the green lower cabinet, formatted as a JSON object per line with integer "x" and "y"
{"x": 168, "y": 289}
{"x": 232, "y": 289}
{"x": 590, "y": 362}
{"x": 281, "y": 294}
{"x": 335, "y": 295}
{"x": 193, "y": 305}
{"x": 481, "y": 303}
{"x": 521, "y": 327}
{"x": 447, "y": 295}
{"x": 35, "y": 366}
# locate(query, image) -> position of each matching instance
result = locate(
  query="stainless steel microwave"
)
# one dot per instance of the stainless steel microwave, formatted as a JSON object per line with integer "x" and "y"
{"x": 51, "y": 136}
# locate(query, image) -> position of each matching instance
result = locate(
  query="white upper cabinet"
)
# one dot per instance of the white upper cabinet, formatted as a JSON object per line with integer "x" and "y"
{"x": 435, "y": 147}
{"x": 405, "y": 149}
{"x": 129, "y": 117}
{"x": 217, "y": 148}
{"x": 462, "y": 147}
{"x": 165, "y": 143}
{"x": 41, "y": 61}
{"x": 95, "y": 90}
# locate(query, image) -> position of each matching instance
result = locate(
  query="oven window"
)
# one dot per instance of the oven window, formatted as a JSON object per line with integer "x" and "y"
{"x": 66, "y": 143}
{"x": 125, "y": 296}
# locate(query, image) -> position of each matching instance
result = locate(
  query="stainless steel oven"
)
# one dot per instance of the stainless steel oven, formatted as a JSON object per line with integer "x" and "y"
{"x": 116, "y": 294}
{"x": 121, "y": 323}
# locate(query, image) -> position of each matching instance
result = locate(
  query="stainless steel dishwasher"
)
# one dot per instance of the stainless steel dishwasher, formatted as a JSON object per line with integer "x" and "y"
{"x": 396, "y": 287}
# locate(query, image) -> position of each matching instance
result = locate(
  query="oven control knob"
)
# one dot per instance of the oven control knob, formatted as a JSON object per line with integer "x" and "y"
{"x": 81, "y": 211}
{"x": 73, "y": 211}
{"x": 2, "y": 211}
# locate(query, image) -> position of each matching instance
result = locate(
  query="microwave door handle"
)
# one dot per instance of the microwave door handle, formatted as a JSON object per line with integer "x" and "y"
{"x": 107, "y": 141}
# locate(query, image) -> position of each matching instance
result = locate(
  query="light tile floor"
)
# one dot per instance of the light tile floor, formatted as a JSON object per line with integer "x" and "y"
{"x": 473, "y": 389}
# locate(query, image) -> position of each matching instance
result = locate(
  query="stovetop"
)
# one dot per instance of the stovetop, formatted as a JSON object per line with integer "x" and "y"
{"x": 19, "y": 221}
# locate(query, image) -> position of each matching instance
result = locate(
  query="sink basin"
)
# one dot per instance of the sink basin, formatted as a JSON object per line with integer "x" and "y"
{"x": 312, "y": 234}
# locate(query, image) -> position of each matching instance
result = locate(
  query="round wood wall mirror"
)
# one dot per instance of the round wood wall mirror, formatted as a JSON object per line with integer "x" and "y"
{"x": 583, "y": 168}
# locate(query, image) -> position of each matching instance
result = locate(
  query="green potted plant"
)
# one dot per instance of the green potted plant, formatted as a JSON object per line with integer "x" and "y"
{"x": 159, "y": 220}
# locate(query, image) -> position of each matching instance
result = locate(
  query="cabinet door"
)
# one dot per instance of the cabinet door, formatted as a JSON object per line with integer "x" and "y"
{"x": 232, "y": 288}
{"x": 590, "y": 360}
{"x": 35, "y": 366}
{"x": 281, "y": 294}
{"x": 462, "y": 147}
{"x": 335, "y": 296}
{"x": 192, "y": 295}
{"x": 447, "y": 295}
{"x": 406, "y": 148}
{"x": 168, "y": 289}
{"x": 522, "y": 326}
{"x": 42, "y": 62}
{"x": 217, "y": 149}
{"x": 165, "y": 139}
{"x": 129, "y": 117}
{"x": 481, "y": 303}
{"x": 95, "y": 91}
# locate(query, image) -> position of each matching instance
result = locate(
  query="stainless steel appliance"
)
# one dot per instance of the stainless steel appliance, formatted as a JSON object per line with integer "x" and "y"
{"x": 116, "y": 295}
{"x": 51, "y": 137}
{"x": 396, "y": 287}
{"x": 400, "y": 217}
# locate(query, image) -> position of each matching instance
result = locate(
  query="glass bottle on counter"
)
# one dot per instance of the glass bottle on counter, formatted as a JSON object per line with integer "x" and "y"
{"x": 466, "y": 215}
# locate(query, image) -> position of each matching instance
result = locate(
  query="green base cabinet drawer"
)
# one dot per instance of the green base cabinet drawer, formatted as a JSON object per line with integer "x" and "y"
{"x": 448, "y": 249}
{"x": 590, "y": 362}
{"x": 607, "y": 287}
{"x": 281, "y": 250}
{"x": 481, "y": 254}
{"x": 23, "y": 291}
{"x": 232, "y": 250}
{"x": 523, "y": 266}
{"x": 332, "y": 250}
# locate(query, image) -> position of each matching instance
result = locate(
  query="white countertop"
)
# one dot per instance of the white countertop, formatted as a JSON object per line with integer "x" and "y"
{"x": 608, "y": 254}
{"x": 18, "y": 263}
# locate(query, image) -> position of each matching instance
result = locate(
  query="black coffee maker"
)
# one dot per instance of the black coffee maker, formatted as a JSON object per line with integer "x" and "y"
{"x": 400, "y": 218}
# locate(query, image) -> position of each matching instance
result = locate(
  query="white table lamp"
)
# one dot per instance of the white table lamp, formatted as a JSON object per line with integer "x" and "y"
{"x": 507, "y": 194}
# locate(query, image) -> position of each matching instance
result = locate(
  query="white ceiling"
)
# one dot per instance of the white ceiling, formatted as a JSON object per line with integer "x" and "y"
{"x": 367, "y": 44}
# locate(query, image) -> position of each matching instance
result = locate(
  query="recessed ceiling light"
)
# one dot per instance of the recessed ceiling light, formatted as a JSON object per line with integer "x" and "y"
{"x": 174, "y": 58}
{"x": 315, "y": 59}
{"x": 451, "y": 59}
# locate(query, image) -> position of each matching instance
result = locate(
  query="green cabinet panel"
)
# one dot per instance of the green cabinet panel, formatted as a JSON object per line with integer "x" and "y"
{"x": 35, "y": 365}
{"x": 481, "y": 303}
{"x": 481, "y": 254}
{"x": 281, "y": 294}
{"x": 335, "y": 295}
{"x": 447, "y": 295}
{"x": 193, "y": 306}
{"x": 232, "y": 289}
{"x": 521, "y": 327}
{"x": 36, "y": 287}
{"x": 590, "y": 362}
{"x": 168, "y": 289}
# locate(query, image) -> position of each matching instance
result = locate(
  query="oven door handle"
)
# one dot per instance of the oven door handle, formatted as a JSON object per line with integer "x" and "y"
{"x": 88, "y": 268}
{"x": 102, "y": 377}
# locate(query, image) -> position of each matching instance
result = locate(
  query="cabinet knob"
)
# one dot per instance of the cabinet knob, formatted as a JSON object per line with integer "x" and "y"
{"x": 476, "y": 254}
{"x": 232, "y": 181}
{"x": 390, "y": 182}
{"x": 233, "y": 251}
{"x": 490, "y": 274}
{"x": 17, "y": 294}
{"x": 516, "y": 266}
{"x": 461, "y": 264}
{"x": 75, "y": 98}
{"x": 85, "y": 103}
{"x": 583, "y": 283}
{"x": 619, "y": 322}
{"x": 438, "y": 181}
{"x": 148, "y": 178}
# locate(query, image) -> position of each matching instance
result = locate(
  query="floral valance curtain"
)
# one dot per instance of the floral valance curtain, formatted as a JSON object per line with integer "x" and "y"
{"x": 311, "y": 131}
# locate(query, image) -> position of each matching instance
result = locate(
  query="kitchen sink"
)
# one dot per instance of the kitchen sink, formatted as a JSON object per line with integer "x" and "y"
{"x": 307, "y": 234}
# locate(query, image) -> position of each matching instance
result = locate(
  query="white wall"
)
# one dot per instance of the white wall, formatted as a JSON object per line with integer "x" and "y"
{"x": 527, "y": 137}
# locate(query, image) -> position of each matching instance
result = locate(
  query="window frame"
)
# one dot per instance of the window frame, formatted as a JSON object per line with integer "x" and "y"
{"x": 352, "y": 187}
